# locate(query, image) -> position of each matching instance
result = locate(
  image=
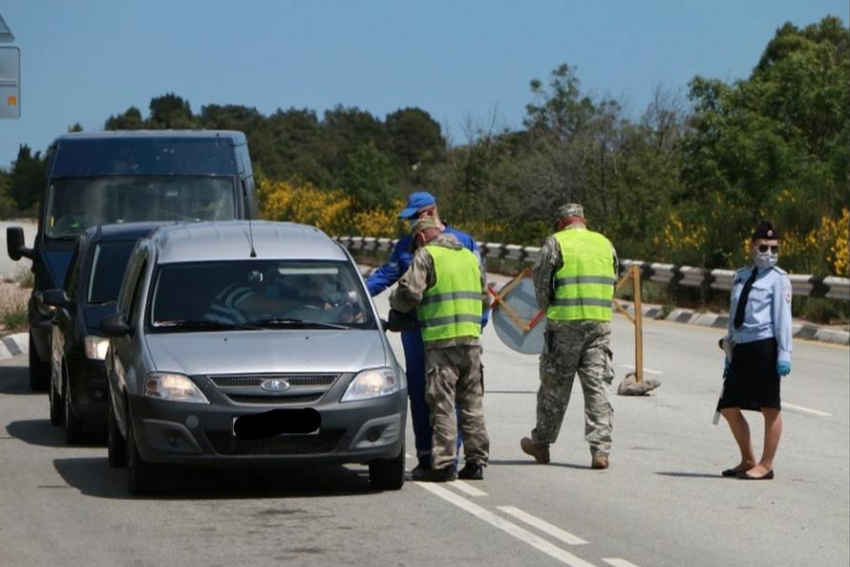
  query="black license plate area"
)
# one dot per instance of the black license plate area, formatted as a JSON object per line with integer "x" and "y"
{"x": 275, "y": 422}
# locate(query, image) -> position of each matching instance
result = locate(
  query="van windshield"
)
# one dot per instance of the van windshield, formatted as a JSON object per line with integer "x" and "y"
{"x": 258, "y": 294}
{"x": 74, "y": 204}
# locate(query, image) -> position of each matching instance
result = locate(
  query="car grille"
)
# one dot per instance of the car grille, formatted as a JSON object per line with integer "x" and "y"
{"x": 224, "y": 443}
{"x": 254, "y": 381}
{"x": 303, "y": 388}
{"x": 273, "y": 400}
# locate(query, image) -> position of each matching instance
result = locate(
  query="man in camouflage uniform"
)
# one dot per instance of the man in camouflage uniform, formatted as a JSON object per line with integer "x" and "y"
{"x": 574, "y": 279}
{"x": 448, "y": 288}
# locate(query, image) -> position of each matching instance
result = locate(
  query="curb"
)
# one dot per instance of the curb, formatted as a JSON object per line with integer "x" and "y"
{"x": 804, "y": 331}
{"x": 14, "y": 345}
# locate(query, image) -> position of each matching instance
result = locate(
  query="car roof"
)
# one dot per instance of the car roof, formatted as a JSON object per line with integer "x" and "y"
{"x": 231, "y": 240}
{"x": 123, "y": 231}
{"x": 235, "y": 135}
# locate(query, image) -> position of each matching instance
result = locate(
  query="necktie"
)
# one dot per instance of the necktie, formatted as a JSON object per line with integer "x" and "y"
{"x": 742, "y": 301}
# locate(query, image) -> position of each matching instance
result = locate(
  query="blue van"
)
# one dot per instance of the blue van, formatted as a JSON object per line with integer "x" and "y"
{"x": 121, "y": 177}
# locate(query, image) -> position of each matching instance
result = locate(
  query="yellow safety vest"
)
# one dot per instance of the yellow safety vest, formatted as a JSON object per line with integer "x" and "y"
{"x": 452, "y": 308}
{"x": 584, "y": 285}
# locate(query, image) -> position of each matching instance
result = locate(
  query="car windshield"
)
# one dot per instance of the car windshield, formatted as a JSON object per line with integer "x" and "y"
{"x": 109, "y": 262}
{"x": 74, "y": 204}
{"x": 258, "y": 294}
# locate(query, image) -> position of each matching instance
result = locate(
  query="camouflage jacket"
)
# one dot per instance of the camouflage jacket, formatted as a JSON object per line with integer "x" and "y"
{"x": 421, "y": 276}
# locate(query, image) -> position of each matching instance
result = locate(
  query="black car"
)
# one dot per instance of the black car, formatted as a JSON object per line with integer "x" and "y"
{"x": 78, "y": 389}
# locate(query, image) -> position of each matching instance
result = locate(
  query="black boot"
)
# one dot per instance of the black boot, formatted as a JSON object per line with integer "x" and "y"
{"x": 471, "y": 471}
{"x": 435, "y": 475}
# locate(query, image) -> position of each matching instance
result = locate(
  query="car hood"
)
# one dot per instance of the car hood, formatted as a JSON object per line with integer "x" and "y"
{"x": 248, "y": 352}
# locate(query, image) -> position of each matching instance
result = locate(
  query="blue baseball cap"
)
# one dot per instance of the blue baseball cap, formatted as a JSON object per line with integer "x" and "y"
{"x": 416, "y": 202}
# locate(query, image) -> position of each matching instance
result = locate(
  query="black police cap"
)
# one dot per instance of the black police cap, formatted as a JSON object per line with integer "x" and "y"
{"x": 766, "y": 230}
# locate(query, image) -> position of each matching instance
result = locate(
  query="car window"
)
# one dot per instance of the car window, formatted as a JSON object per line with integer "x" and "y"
{"x": 109, "y": 262}
{"x": 260, "y": 293}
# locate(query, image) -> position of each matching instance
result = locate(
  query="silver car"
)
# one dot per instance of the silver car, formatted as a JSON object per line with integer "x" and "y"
{"x": 250, "y": 343}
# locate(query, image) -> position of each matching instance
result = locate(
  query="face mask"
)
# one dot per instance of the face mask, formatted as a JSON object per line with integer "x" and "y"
{"x": 764, "y": 260}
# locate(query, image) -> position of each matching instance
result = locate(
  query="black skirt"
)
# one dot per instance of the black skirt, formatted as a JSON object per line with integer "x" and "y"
{"x": 752, "y": 382}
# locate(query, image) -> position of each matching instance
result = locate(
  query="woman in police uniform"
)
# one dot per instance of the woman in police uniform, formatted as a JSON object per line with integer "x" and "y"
{"x": 760, "y": 340}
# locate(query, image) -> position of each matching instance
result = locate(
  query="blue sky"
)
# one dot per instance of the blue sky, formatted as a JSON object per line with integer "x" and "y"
{"x": 84, "y": 60}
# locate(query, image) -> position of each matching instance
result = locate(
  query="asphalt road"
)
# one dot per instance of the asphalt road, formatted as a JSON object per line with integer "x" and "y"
{"x": 661, "y": 504}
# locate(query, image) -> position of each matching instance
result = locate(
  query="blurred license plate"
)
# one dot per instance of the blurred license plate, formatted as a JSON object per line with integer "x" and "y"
{"x": 275, "y": 422}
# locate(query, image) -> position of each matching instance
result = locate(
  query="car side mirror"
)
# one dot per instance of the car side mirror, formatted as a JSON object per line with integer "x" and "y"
{"x": 15, "y": 244}
{"x": 55, "y": 298}
{"x": 115, "y": 326}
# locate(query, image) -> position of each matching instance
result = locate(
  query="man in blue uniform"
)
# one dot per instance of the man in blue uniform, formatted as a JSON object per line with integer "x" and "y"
{"x": 419, "y": 205}
{"x": 760, "y": 339}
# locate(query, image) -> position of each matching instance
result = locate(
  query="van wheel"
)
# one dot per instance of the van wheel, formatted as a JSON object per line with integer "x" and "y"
{"x": 73, "y": 426}
{"x": 142, "y": 477}
{"x": 115, "y": 442}
{"x": 39, "y": 371}
{"x": 387, "y": 474}
{"x": 56, "y": 409}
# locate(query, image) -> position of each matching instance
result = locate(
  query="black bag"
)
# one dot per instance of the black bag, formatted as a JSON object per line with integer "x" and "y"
{"x": 399, "y": 322}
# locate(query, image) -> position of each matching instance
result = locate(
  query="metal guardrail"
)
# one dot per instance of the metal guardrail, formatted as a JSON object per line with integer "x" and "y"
{"x": 802, "y": 285}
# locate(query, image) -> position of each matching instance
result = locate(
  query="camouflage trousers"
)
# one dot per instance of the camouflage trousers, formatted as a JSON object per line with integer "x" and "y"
{"x": 576, "y": 346}
{"x": 453, "y": 376}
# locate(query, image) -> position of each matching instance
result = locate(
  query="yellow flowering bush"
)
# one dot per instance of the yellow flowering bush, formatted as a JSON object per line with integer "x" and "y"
{"x": 301, "y": 202}
{"x": 821, "y": 251}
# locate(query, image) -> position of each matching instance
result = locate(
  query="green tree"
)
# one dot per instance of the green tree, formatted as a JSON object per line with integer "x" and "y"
{"x": 369, "y": 177}
{"x": 170, "y": 111}
{"x": 131, "y": 119}
{"x": 774, "y": 145}
{"x": 27, "y": 180}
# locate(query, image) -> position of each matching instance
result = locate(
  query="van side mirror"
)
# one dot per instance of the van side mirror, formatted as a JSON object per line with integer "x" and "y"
{"x": 15, "y": 244}
{"x": 55, "y": 298}
{"x": 115, "y": 326}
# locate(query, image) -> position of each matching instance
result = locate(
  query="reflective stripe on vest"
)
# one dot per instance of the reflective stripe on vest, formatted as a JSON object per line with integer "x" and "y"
{"x": 584, "y": 285}
{"x": 452, "y": 307}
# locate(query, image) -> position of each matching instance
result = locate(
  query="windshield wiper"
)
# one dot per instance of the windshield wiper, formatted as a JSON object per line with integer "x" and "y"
{"x": 298, "y": 323}
{"x": 201, "y": 325}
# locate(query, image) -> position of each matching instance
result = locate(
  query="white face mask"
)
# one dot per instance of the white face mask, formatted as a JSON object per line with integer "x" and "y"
{"x": 764, "y": 260}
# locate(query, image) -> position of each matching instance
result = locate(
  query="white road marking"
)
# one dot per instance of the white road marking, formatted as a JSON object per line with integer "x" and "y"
{"x": 469, "y": 489}
{"x": 802, "y": 409}
{"x": 542, "y": 525}
{"x": 520, "y": 533}
{"x": 614, "y": 562}
{"x": 647, "y": 370}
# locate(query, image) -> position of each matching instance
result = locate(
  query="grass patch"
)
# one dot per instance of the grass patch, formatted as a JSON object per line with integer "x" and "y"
{"x": 14, "y": 319}
{"x": 25, "y": 278}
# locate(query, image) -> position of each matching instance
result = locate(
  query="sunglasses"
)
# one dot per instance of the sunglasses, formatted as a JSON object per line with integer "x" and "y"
{"x": 764, "y": 248}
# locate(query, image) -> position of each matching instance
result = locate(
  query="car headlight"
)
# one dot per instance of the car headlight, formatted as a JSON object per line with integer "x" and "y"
{"x": 96, "y": 347}
{"x": 174, "y": 388}
{"x": 372, "y": 383}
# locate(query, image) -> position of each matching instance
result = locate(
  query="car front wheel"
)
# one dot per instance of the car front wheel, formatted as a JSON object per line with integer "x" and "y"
{"x": 73, "y": 425}
{"x": 142, "y": 477}
{"x": 115, "y": 442}
{"x": 39, "y": 371}
{"x": 387, "y": 474}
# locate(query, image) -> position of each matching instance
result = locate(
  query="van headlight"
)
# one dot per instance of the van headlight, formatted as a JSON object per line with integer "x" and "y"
{"x": 173, "y": 388}
{"x": 373, "y": 383}
{"x": 96, "y": 347}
